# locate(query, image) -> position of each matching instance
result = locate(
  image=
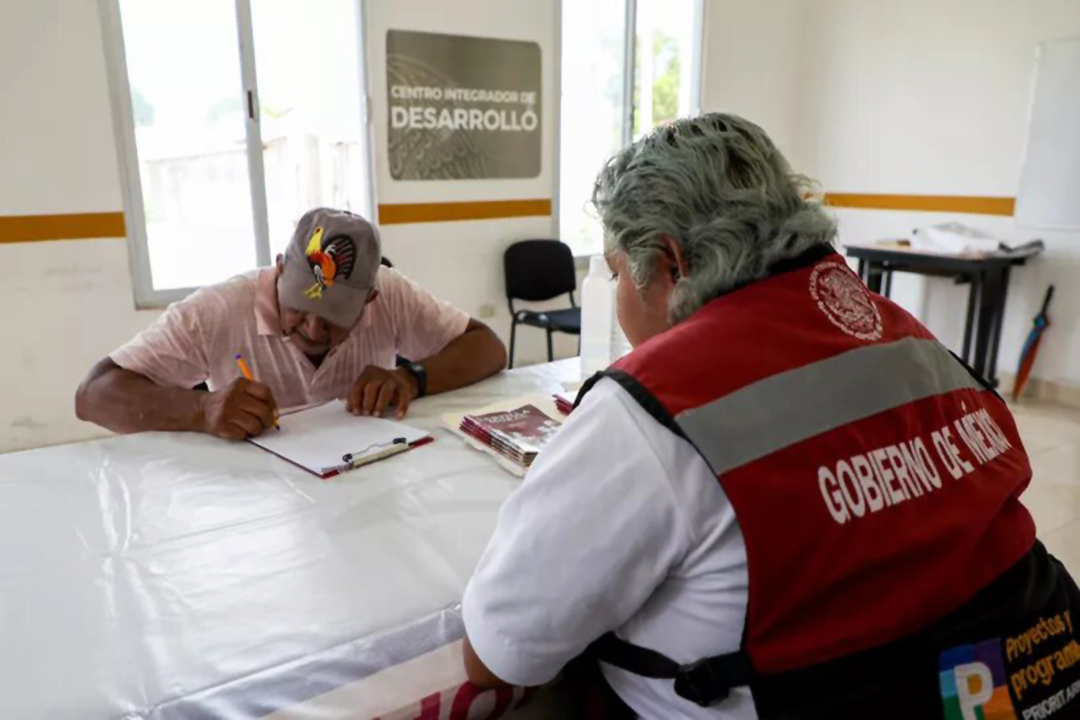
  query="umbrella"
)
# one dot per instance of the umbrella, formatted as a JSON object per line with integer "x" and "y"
{"x": 1031, "y": 346}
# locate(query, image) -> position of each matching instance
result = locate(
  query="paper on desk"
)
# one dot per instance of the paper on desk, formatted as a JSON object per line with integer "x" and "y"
{"x": 955, "y": 238}
{"x": 316, "y": 439}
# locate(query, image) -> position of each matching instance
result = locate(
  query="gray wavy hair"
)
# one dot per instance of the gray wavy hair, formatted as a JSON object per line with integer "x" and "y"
{"x": 718, "y": 186}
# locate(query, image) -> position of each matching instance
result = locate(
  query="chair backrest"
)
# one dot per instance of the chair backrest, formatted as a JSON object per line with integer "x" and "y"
{"x": 539, "y": 270}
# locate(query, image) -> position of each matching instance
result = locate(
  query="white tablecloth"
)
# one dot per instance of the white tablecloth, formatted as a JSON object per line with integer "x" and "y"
{"x": 166, "y": 576}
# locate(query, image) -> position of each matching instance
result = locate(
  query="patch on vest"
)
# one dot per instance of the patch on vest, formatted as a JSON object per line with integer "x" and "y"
{"x": 845, "y": 301}
{"x": 973, "y": 683}
{"x": 1032, "y": 675}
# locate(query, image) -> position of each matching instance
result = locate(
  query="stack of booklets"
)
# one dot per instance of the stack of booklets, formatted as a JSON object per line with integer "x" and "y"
{"x": 564, "y": 402}
{"x": 517, "y": 435}
{"x": 513, "y": 432}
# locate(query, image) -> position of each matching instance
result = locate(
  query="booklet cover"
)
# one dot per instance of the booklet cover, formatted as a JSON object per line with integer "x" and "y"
{"x": 518, "y": 434}
{"x": 564, "y": 401}
{"x": 512, "y": 430}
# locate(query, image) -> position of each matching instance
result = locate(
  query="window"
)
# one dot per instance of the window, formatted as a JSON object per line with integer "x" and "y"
{"x": 627, "y": 66}
{"x": 665, "y": 72}
{"x": 234, "y": 119}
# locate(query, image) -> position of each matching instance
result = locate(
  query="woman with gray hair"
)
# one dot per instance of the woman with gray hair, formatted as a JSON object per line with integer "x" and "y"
{"x": 716, "y": 194}
{"x": 789, "y": 501}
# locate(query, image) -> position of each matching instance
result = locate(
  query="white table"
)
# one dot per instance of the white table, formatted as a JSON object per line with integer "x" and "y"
{"x": 166, "y": 576}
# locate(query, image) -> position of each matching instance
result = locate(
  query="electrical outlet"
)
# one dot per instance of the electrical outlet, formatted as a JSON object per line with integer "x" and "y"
{"x": 487, "y": 312}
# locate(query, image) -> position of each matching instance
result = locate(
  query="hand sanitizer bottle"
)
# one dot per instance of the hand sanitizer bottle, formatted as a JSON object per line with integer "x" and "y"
{"x": 598, "y": 324}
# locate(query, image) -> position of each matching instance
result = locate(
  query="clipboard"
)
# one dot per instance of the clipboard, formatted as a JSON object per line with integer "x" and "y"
{"x": 327, "y": 441}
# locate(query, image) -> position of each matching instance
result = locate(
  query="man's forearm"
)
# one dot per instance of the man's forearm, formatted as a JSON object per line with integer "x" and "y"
{"x": 126, "y": 402}
{"x": 477, "y": 354}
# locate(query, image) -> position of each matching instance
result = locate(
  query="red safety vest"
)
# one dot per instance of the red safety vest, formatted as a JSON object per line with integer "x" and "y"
{"x": 875, "y": 479}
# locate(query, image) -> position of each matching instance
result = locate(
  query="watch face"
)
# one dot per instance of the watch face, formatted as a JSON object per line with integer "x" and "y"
{"x": 419, "y": 372}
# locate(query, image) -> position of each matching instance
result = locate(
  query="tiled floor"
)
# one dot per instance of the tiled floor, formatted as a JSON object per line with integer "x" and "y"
{"x": 1051, "y": 435}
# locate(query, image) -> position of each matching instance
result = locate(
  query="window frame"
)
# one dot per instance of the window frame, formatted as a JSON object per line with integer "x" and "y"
{"x": 629, "y": 64}
{"x": 697, "y": 53}
{"x": 146, "y": 296}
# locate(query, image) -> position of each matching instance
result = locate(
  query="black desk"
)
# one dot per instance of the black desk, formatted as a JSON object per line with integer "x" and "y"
{"x": 988, "y": 276}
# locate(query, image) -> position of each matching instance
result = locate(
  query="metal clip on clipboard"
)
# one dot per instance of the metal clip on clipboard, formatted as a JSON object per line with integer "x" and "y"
{"x": 366, "y": 457}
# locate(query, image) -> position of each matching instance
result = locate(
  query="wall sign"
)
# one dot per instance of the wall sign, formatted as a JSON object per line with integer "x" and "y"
{"x": 462, "y": 108}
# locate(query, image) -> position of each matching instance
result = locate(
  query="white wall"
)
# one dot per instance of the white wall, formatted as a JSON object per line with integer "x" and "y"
{"x": 67, "y": 303}
{"x": 751, "y": 61}
{"x": 462, "y": 261}
{"x": 923, "y": 97}
{"x": 928, "y": 97}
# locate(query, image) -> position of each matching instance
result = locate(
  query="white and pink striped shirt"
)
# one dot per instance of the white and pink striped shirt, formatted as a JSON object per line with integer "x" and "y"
{"x": 196, "y": 340}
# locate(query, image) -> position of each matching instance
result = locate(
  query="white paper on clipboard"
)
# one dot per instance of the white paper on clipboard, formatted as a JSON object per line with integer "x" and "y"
{"x": 317, "y": 439}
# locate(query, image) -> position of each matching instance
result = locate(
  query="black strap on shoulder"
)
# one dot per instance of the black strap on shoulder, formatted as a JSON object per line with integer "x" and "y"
{"x": 637, "y": 391}
{"x": 976, "y": 376}
{"x": 633, "y": 658}
{"x": 705, "y": 682}
{"x": 588, "y": 386}
{"x": 808, "y": 257}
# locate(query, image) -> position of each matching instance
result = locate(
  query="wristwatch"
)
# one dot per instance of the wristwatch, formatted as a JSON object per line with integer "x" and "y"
{"x": 419, "y": 372}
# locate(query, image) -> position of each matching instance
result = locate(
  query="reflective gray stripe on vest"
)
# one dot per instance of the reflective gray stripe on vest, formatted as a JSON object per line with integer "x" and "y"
{"x": 796, "y": 405}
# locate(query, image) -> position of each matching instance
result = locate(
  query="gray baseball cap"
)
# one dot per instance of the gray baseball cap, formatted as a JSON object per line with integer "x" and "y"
{"x": 331, "y": 266}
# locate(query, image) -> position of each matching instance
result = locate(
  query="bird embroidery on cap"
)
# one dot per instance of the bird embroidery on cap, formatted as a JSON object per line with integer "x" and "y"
{"x": 328, "y": 261}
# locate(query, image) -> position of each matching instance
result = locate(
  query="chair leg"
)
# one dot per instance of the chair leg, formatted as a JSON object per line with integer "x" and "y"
{"x": 551, "y": 349}
{"x": 513, "y": 337}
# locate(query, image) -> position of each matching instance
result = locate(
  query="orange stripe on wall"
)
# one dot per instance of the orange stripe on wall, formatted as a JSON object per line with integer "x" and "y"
{"x": 925, "y": 203}
{"x": 452, "y": 211}
{"x": 37, "y": 228}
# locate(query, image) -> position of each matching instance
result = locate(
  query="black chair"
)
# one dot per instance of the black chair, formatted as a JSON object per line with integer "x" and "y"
{"x": 539, "y": 270}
